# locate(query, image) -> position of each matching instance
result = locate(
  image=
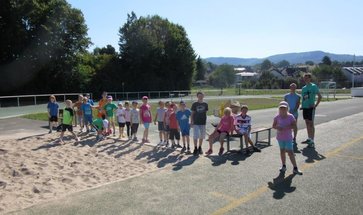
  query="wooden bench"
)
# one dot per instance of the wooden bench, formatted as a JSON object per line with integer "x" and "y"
{"x": 254, "y": 131}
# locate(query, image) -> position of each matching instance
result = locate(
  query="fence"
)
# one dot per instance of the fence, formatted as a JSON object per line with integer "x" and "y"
{"x": 23, "y": 100}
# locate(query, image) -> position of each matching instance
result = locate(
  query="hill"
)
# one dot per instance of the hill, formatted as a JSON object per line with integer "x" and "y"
{"x": 293, "y": 58}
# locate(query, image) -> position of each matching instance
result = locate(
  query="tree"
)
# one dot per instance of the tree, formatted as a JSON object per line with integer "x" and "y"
{"x": 110, "y": 50}
{"x": 310, "y": 63}
{"x": 200, "y": 70}
{"x": 283, "y": 63}
{"x": 326, "y": 72}
{"x": 40, "y": 41}
{"x": 266, "y": 65}
{"x": 156, "y": 54}
{"x": 326, "y": 61}
{"x": 223, "y": 76}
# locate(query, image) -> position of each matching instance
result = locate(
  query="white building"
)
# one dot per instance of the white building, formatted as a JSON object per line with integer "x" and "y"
{"x": 245, "y": 76}
{"x": 357, "y": 72}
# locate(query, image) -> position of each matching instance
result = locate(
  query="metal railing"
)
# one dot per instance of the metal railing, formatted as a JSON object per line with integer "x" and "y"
{"x": 22, "y": 100}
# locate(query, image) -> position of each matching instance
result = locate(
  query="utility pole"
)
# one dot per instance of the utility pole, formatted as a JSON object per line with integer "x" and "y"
{"x": 353, "y": 72}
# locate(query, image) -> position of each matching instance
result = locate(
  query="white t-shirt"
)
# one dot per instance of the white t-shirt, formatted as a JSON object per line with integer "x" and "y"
{"x": 105, "y": 124}
{"x": 121, "y": 113}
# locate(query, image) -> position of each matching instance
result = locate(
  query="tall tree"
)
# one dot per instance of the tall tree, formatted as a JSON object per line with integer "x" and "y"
{"x": 40, "y": 41}
{"x": 223, "y": 76}
{"x": 283, "y": 63}
{"x": 154, "y": 50}
{"x": 266, "y": 65}
{"x": 200, "y": 70}
{"x": 326, "y": 60}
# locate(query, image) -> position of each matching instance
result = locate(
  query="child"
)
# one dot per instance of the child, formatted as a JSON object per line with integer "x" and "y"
{"x": 243, "y": 127}
{"x": 52, "y": 108}
{"x": 198, "y": 120}
{"x": 121, "y": 119}
{"x": 183, "y": 116}
{"x": 87, "y": 113}
{"x": 135, "y": 120}
{"x": 224, "y": 128}
{"x": 174, "y": 127}
{"x": 159, "y": 117}
{"x": 167, "y": 122}
{"x": 106, "y": 126}
{"x": 101, "y": 105}
{"x": 293, "y": 100}
{"x": 67, "y": 121}
{"x": 145, "y": 116}
{"x": 128, "y": 118}
{"x": 98, "y": 124}
{"x": 79, "y": 113}
{"x": 110, "y": 109}
{"x": 284, "y": 123}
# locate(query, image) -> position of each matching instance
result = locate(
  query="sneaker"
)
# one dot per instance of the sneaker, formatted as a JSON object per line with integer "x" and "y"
{"x": 173, "y": 145}
{"x": 178, "y": 145}
{"x": 209, "y": 152}
{"x": 195, "y": 152}
{"x": 167, "y": 144}
{"x": 283, "y": 168}
{"x": 305, "y": 141}
{"x": 255, "y": 149}
{"x": 135, "y": 139}
{"x": 188, "y": 149}
{"x": 296, "y": 171}
{"x": 311, "y": 145}
{"x": 221, "y": 150}
{"x": 183, "y": 149}
{"x": 200, "y": 151}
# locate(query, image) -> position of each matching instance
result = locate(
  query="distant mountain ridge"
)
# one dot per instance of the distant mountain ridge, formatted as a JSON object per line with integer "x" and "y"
{"x": 293, "y": 58}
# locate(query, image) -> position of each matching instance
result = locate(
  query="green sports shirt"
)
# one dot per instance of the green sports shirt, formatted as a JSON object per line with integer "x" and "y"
{"x": 308, "y": 95}
{"x": 109, "y": 108}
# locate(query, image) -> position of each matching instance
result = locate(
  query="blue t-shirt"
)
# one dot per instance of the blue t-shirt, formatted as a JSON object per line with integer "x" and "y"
{"x": 90, "y": 101}
{"x": 183, "y": 119}
{"x": 53, "y": 108}
{"x": 292, "y": 100}
{"x": 87, "y": 109}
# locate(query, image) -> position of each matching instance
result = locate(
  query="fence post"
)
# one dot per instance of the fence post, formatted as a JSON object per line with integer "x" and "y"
{"x": 35, "y": 100}
{"x": 18, "y": 101}
{"x": 64, "y": 98}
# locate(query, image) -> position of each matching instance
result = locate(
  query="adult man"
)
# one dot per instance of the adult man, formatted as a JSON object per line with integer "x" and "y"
{"x": 308, "y": 95}
{"x": 293, "y": 100}
{"x": 198, "y": 122}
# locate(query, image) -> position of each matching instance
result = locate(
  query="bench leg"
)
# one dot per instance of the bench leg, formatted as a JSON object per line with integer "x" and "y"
{"x": 269, "y": 137}
{"x": 241, "y": 142}
{"x": 228, "y": 138}
{"x": 256, "y": 138}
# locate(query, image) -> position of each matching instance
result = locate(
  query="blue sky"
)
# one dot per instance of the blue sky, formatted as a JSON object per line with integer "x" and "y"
{"x": 239, "y": 28}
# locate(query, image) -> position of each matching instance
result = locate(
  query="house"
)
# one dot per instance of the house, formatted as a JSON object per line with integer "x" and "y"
{"x": 357, "y": 72}
{"x": 277, "y": 73}
{"x": 245, "y": 76}
{"x": 294, "y": 71}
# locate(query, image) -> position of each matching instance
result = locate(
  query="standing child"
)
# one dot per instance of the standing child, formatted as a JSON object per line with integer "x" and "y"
{"x": 101, "y": 105}
{"x": 167, "y": 122}
{"x": 243, "y": 127}
{"x": 121, "y": 119}
{"x": 174, "y": 127}
{"x": 146, "y": 118}
{"x": 284, "y": 123}
{"x": 110, "y": 109}
{"x": 293, "y": 100}
{"x": 128, "y": 118}
{"x": 52, "y": 108}
{"x": 159, "y": 118}
{"x": 79, "y": 113}
{"x": 224, "y": 128}
{"x": 87, "y": 113}
{"x": 199, "y": 121}
{"x": 135, "y": 120}
{"x": 183, "y": 116}
{"x": 67, "y": 121}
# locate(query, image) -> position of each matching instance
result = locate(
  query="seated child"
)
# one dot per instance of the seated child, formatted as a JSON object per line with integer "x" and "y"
{"x": 224, "y": 128}
{"x": 243, "y": 127}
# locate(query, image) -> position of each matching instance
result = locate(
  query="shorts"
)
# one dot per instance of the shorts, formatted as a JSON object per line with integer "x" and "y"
{"x": 53, "y": 119}
{"x": 185, "y": 131}
{"x": 295, "y": 114}
{"x": 111, "y": 119}
{"x": 218, "y": 136}
{"x": 134, "y": 127}
{"x": 88, "y": 119}
{"x": 167, "y": 128}
{"x": 121, "y": 124}
{"x": 146, "y": 125}
{"x": 244, "y": 131}
{"x": 161, "y": 126}
{"x": 309, "y": 113}
{"x": 286, "y": 144}
{"x": 199, "y": 132}
{"x": 174, "y": 133}
{"x": 67, "y": 127}
{"x": 80, "y": 119}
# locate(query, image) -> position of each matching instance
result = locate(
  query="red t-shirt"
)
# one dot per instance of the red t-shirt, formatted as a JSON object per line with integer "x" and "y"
{"x": 173, "y": 121}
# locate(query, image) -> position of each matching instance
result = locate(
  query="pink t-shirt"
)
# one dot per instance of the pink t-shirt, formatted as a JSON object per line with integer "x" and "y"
{"x": 145, "y": 113}
{"x": 285, "y": 122}
{"x": 226, "y": 124}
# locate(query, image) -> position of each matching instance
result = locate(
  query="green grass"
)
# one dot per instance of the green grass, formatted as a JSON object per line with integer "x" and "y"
{"x": 37, "y": 116}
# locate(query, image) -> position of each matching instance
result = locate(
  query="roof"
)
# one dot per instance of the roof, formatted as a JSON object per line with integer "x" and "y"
{"x": 354, "y": 70}
{"x": 246, "y": 74}
{"x": 240, "y": 69}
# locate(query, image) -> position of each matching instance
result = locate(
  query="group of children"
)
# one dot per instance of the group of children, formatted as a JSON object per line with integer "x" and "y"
{"x": 171, "y": 119}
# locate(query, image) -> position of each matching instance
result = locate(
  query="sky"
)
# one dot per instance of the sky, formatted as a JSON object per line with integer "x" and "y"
{"x": 239, "y": 28}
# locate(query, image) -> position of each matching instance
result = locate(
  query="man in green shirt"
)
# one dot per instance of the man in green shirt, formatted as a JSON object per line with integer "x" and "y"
{"x": 308, "y": 105}
{"x": 110, "y": 109}
{"x": 67, "y": 121}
